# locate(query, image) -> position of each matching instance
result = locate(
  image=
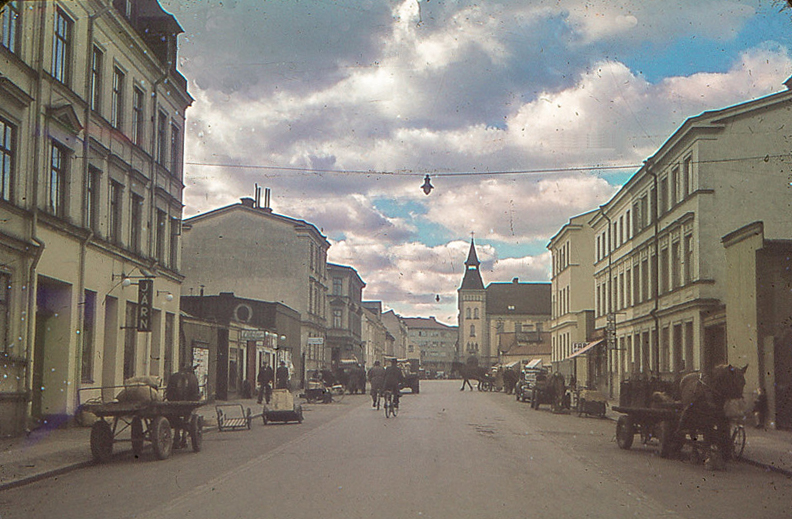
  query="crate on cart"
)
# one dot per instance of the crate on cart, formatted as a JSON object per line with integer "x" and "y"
{"x": 282, "y": 408}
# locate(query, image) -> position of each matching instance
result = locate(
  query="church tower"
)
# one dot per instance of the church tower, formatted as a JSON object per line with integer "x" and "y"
{"x": 472, "y": 305}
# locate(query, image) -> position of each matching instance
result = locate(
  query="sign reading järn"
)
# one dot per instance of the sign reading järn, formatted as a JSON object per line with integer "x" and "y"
{"x": 145, "y": 296}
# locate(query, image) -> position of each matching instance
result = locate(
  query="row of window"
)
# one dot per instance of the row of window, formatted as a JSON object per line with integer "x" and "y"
{"x": 168, "y": 150}
{"x": 673, "y": 188}
{"x": 632, "y": 286}
{"x": 642, "y": 352}
{"x": 475, "y": 314}
{"x": 167, "y": 228}
{"x": 561, "y": 257}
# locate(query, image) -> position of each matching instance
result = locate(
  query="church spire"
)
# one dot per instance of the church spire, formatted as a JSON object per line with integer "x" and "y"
{"x": 472, "y": 279}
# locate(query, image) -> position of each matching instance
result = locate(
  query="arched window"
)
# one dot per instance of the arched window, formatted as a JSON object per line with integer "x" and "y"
{"x": 467, "y": 313}
{"x": 472, "y": 330}
{"x": 475, "y": 313}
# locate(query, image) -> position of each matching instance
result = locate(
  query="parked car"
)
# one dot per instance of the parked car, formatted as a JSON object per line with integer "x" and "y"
{"x": 524, "y": 386}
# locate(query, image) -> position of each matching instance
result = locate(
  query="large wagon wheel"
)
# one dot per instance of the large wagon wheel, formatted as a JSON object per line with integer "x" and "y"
{"x": 625, "y": 431}
{"x": 101, "y": 441}
{"x": 137, "y": 436}
{"x": 196, "y": 432}
{"x": 161, "y": 437}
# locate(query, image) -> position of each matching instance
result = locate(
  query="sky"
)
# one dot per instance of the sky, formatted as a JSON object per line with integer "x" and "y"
{"x": 524, "y": 113}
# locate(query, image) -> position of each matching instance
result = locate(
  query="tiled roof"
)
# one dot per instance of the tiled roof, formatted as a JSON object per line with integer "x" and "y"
{"x": 519, "y": 298}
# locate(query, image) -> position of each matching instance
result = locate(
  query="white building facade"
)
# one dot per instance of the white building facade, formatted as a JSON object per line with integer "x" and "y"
{"x": 91, "y": 138}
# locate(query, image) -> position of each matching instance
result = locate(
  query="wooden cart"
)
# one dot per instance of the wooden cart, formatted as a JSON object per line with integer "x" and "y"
{"x": 153, "y": 422}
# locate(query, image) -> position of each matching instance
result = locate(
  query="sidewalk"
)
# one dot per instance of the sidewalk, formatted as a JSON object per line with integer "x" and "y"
{"x": 46, "y": 453}
{"x": 49, "y": 452}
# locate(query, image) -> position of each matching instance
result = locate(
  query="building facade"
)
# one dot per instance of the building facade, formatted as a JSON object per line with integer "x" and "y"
{"x": 679, "y": 240}
{"x": 575, "y": 349}
{"x": 344, "y": 333}
{"x": 249, "y": 332}
{"x": 377, "y": 340}
{"x": 91, "y": 138}
{"x": 257, "y": 254}
{"x": 485, "y": 313}
{"x": 398, "y": 329}
{"x": 432, "y": 342}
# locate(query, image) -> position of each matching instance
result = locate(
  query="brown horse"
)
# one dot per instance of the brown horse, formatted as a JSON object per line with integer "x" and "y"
{"x": 703, "y": 398}
{"x": 469, "y": 372}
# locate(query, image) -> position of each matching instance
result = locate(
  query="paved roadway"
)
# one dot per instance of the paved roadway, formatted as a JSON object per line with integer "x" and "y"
{"x": 447, "y": 455}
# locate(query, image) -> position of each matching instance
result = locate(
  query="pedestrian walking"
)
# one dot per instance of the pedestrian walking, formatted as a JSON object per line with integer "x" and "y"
{"x": 264, "y": 380}
{"x": 282, "y": 376}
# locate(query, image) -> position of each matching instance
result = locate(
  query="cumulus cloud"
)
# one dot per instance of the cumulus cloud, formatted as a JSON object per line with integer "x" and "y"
{"x": 391, "y": 90}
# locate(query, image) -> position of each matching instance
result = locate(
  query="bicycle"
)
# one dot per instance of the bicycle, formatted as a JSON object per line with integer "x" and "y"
{"x": 391, "y": 406}
{"x": 737, "y": 440}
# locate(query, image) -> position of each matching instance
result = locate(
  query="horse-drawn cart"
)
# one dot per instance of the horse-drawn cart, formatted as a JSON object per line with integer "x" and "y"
{"x": 691, "y": 413}
{"x": 150, "y": 421}
{"x": 282, "y": 408}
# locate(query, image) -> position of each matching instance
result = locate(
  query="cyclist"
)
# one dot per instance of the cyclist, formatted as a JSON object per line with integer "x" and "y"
{"x": 376, "y": 376}
{"x": 393, "y": 380}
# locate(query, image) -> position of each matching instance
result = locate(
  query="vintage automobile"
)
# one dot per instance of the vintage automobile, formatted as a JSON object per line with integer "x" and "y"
{"x": 525, "y": 385}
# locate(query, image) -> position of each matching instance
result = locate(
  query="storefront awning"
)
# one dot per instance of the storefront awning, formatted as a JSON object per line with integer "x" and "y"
{"x": 585, "y": 348}
{"x": 535, "y": 363}
{"x": 512, "y": 364}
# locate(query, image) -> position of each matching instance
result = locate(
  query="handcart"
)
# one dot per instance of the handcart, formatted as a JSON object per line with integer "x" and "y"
{"x": 282, "y": 408}
{"x": 591, "y": 403}
{"x": 232, "y": 417}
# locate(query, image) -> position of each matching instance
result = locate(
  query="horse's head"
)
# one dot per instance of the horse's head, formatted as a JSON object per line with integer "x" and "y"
{"x": 729, "y": 380}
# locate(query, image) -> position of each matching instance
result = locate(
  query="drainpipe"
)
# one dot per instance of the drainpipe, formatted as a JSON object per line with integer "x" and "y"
{"x": 32, "y": 282}
{"x": 608, "y": 338}
{"x": 86, "y": 150}
{"x": 656, "y": 277}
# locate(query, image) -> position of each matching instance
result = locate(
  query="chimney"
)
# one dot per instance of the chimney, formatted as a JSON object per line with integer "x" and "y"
{"x": 516, "y": 280}
{"x": 248, "y": 202}
{"x": 267, "y": 207}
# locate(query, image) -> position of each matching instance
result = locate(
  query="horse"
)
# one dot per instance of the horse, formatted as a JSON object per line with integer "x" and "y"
{"x": 550, "y": 390}
{"x": 469, "y": 372}
{"x": 182, "y": 386}
{"x": 703, "y": 397}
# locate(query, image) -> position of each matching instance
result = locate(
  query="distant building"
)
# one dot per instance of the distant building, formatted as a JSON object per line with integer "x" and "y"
{"x": 257, "y": 254}
{"x": 249, "y": 332}
{"x": 432, "y": 342}
{"x": 576, "y": 350}
{"x": 486, "y": 313}
{"x": 346, "y": 312}
{"x": 398, "y": 329}
{"x": 377, "y": 340}
{"x": 92, "y": 123}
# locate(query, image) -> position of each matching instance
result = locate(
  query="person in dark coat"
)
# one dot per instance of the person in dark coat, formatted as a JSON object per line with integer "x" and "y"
{"x": 282, "y": 376}
{"x": 376, "y": 376}
{"x": 393, "y": 380}
{"x": 264, "y": 380}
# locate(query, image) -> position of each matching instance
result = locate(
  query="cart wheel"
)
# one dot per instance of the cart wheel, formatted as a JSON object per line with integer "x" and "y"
{"x": 196, "y": 432}
{"x": 101, "y": 441}
{"x": 137, "y": 436}
{"x": 625, "y": 430}
{"x": 161, "y": 437}
{"x": 667, "y": 440}
{"x": 738, "y": 441}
